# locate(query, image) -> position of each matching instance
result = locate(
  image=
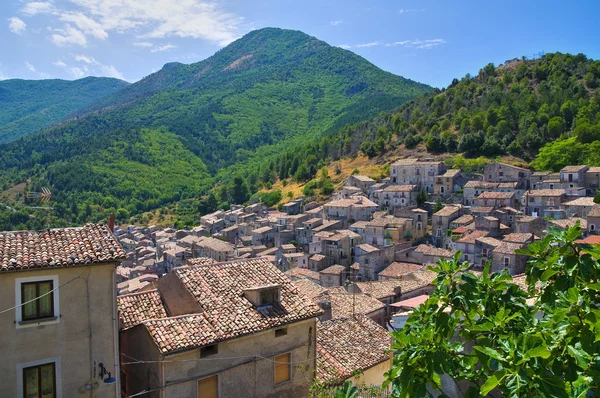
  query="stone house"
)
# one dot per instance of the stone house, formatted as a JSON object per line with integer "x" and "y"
{"x": 472, "y": 189}
{"x": 175, "y": 256}
{"x": 495, "y": 199}
{"x": 354, "y": 349}
{"x": 348, "y": 211}
{"x": 318, "y": 262}
{"x": 440, "y": 221}
{"x": 305, "y": 232}
{"x": 214, "y": 248}
{"x": 502, "y": 172}
{"x": 546, "y": 203}
{"x": 387, "y": 230}
{"x": 397, "y": 196}
{"x": 361, "y": 182}
{"x": 230, "y": 234}
{"x": 416, "y": 172}
{"x": 332, "y": 276}
{"x": 371, "y": 259}
{"x": 446, "y": 183}
{"x": 593, "y": 220}
{"x": 338, "y": 245}
{"x": 484, "y": 249}
{"x": 426, "y": 254}
{"x": 579, "y": 207}
{"x": 467, "y": 243}
{"x": 573, "y": 175}
{"x": 61, "y": 285}
{"x": 247, "y": 317}
{"x": 263, "y": 236}
{"x": 505, "y": 258}
{"x": 293, "y": 207}
{"x": 591, "y": 180}
{"x": 529, "y": 224}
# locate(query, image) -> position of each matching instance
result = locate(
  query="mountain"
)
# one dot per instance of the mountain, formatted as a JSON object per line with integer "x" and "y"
{"x": 27, "y": 106}
{"x": 165, "y": 137}
{"x": 544, "y": 111}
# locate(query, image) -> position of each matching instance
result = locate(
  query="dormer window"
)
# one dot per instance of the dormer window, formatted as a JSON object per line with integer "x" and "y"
{"x": 264, "y": 295}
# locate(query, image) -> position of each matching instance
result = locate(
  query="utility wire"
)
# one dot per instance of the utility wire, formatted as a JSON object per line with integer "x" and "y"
{"x": 45, "y": 294}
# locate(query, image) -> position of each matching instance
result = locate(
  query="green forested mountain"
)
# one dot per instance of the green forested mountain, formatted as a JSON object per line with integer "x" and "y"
{"x": 27, "y": 106}
{"x": 165, "y": 137}
{"x": 545, "y": 111}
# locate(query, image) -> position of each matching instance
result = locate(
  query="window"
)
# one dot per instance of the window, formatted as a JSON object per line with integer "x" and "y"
{"x": 484, "y": 252}
{"x": 208, "y": 387}
{"x": 466, "y": 257}
{"x": 281, "y": 332}
{"x": 209, "y": 350}
{"x": 269, "y": 296}
{"x": 283, "y": 367}
{"x": 39, "y": 381}
{"x": 36, "y": 300}
{"x": 506, "y": 262}
{"x": 40, "y": 308}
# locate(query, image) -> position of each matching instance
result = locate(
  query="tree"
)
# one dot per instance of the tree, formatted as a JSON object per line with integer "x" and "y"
{"x": 422, "y": 197}
{"x": 438, "y": 205}
{"x": 496, "y": 338}
{"x": 556, "y": 126}
{"x": 239, "y": 190}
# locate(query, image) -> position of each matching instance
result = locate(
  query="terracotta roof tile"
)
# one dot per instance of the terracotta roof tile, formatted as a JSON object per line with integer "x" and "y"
{"x": 342, "y": 302}
{"x": 138, "y": 307}
{"x": 200, "y": 261}
{"x": 225, "y": 311}
{"x": 58, "y": 248}
{"x": 309, "y": 288}
{"x": 333, "y": 270}
{"x": 347, "y": 345}
{"x": 434, "y": 251}
{"x": 545, "y": 192}
{"x": 470, "y": 238}
{"x": 518, "y": 237}
{"x": 397, "y": 269}
{"x": 447, "y": 211}
{"x": 496, "y": 195}
{"x": 595, "y": 212}
{"x": 302, "y": 273}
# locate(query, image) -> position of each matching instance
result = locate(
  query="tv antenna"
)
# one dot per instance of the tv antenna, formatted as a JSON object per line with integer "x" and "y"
{"x": 45, "y": 196}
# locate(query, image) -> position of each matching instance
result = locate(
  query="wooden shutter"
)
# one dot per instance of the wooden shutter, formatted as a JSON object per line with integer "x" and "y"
{"x": 208, "y": 387}
{"x": 282, "y": 368}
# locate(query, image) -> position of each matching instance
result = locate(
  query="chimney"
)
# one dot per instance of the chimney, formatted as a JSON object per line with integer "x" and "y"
{"x": 325, "y": 305}
{"x": 111, "y": 223}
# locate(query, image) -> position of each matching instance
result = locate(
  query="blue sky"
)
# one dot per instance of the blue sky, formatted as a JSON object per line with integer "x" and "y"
{"x": 431, "y": 41}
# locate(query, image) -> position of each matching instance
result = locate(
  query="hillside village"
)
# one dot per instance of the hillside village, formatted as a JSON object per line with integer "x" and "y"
{"x": 270, "y": 302}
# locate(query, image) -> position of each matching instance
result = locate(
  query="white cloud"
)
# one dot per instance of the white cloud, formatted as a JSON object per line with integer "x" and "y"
{"x": 95, "y": 68}
{"x": 86, "y": 24}
{"x": 30, "y": 67}
{"x": 68, "y": 36}
{"x": 404, "y": 10}
{"x": 163, "y": 48}
{"x": 77, "y": 73}
{"x": 38, "y": 7}
{"x": 2, "y": 77}
{"x": 16, "y": 25}
{"x": 345, "y": 46}
{"x": 336, "y": 23}
{"x": 59, "y": 63}
{"x": 201, "y": 19}
{"x": 371, "y": 44}
{"x": 143, "y": 44}
{"x": 420, "y": 44}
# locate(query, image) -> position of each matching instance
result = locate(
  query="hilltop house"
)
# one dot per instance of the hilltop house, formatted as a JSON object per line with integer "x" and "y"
{"x": 348, "y": 211}
{"x": 62, "y": 333}
{"x": 502, "y": 172}
{"x": 417, "y": 172}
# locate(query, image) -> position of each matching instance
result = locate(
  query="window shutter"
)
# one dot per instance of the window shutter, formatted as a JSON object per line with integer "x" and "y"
{"x": 208, "y": 387}
{"x": 282, "y": 368}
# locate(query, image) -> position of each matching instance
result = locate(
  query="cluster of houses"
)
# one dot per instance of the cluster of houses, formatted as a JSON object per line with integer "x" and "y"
{"x": 261, "y": 302}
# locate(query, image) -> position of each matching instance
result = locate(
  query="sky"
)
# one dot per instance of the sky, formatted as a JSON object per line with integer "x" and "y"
{"x": 430, "y": 41}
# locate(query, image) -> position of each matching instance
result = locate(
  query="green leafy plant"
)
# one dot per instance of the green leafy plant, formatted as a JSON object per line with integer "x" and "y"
{"x": 487, "y": 336}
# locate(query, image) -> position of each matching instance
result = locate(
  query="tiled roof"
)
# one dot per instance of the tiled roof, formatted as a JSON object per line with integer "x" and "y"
{"x": 309, "y": 288}
{"x": 569, "y": 222}
{"x": 316, "y": 257}
{"x": 225, "y": 311}
{"x": 546, "y": 192}
{"x": 349, "y": 345}
{"x": 397, "y": 269}
{"x": 470, "y": 238}
{"x": 333, "y": 270}
{"x": 434, "y": 251}
{"x": 342, "y": 302}
{"x": 446, "y": 211}
{"x": 489, "y": 241}
{"x": 200, "y": 261}
{"x": 138, "y": 307}
{"x": 480, "y": 184}
{"x": 482, "y": 210}
{"x": 400, "y": 188}
{"x": 363, "y": 178}
{"x": 463, "y": 220}
{"x": 583, "y": 201}
{"x": 593, "y": 170}
{"x": 573, "y": 169}
{"x": 510, "y": 184}
{"x": 508, "y": 247}
{"x": 496, "y": 195}
{"x": 595, "y": 212}
{"x": 359, "y": 224}
{"x": 379, "y": 289}
{"x": 518, "y": 237}
{"x": 302, "y": 273}
{"x": 365, "y": 247}
{"x": 58, "y": 248}
{"x": 262, "y": 230}
{"x": 451, "y": 173}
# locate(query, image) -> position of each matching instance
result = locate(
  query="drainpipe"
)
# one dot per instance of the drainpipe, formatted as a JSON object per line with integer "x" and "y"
{"x": 116, "y": 336}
